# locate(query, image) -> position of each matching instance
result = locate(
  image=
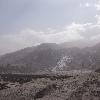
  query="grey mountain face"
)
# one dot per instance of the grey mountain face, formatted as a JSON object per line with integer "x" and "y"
{"x": 49, "y": 57}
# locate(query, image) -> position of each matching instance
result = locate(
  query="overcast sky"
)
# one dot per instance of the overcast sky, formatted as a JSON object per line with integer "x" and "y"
{"x": 26, "y": 23}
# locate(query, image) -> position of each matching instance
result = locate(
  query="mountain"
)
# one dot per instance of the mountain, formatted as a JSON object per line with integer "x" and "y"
{"x": 48, "y": 57}
{"x": 41, "y": 57}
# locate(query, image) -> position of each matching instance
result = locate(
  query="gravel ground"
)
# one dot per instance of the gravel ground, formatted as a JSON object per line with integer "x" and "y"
{"x": 79, "y": 87}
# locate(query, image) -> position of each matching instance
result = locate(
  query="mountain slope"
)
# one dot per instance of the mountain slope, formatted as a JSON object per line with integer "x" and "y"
{"x": 50, "y": 56}
{"x": 33, "y": 59}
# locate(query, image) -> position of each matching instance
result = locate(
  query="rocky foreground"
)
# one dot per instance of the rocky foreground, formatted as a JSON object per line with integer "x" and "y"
{"x": 78, "y": 87}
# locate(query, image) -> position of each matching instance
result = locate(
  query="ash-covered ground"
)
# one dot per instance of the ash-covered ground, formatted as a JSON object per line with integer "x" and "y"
{"x": 85, "y": 86}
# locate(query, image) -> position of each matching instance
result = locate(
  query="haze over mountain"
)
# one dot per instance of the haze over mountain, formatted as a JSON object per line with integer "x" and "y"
{"x": 51, "y": 57}
{"x": 28, "y": 23}
{"x": 79, "y": 43}
{"x": 64, "y": 30}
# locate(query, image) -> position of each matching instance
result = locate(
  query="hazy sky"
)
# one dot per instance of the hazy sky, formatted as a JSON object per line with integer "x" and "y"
{"x": 26, "y": 23}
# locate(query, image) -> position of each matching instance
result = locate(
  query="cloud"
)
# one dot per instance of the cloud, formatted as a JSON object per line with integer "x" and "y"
{"x": 30, "y": 37}
{"x": 97, "y": 5}
{"x": 69, "y": 33}
{"x": 72, "y": 32}
{"x": 86, "y": 5}
{"x": 50, "y": 30}
{"x": 98, "y": 19}
{"x": 92, "y": 30}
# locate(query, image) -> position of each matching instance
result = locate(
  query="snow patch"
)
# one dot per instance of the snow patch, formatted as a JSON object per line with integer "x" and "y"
{"x": 62, "y": 63}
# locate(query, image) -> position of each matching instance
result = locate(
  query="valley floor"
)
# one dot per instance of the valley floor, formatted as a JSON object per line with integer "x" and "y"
{"x": 77, "y": 87}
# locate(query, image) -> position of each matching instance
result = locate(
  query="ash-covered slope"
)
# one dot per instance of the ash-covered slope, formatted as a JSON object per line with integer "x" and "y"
{"x": 50, "y": 57}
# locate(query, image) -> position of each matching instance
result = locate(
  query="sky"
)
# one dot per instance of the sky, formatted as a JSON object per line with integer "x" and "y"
{"x": 25, "y": 23}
